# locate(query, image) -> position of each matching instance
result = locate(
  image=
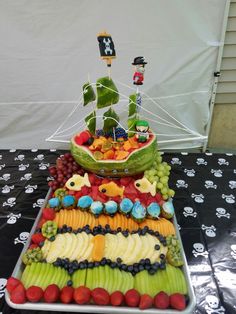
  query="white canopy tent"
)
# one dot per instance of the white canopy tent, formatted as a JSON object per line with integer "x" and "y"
{"x": 49, "y": 47}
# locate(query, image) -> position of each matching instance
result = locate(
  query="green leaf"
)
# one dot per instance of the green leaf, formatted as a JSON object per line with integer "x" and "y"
{"x": 107, "y": 93}
{"x": 91, "y": 122}
{"x": 111, "y": 119}
{"x": 131, "y": 126}
{"x": 132, "y": 104}
{"x": 88, "y": 94}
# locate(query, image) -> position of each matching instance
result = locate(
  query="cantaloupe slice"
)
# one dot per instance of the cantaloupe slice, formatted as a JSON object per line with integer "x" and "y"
{"x": 98, "y": 247}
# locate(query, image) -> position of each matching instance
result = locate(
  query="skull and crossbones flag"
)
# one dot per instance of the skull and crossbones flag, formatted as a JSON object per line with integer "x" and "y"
{"x": 106, "y": 47}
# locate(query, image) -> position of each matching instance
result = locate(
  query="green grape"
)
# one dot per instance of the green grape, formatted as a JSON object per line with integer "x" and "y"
{"x": 159, "y": 185}
{"x": 171, "y": 192}
{"x": 164, "y": 191}
{"x": 152, "y": 172}
{"x": 151, "y": 179}
{"x": 161, "y": 167}
{"x": 164, "y": 179}
{"x": 165, "y": 197}
{"x": 159, "y": 159}
{"x": 160, "y": 174}
{"x": 164, "y": 164}
{"x": 168, "y": 167}
{"x": 154, "y": 165}
{"x": 156, "y": 178}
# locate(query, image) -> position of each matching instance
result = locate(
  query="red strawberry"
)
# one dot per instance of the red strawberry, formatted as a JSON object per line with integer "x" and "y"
{"x": 132, "y": 298}
{"x": 117, "y": 298}
{"x": 78, "y": 194}
{"x": 51, "y": 293}
{"x": 161, "y": 300}
{"x": 66, "y": 295}
{"x": 70, "y": 192}
{"x": 34, "y": 294}
{"x": 41, "y": 222}
{"x": 33, "y": 246}
{"x": 105, "y": 181}
{"x": 131, "y": 189}
{"x": 48, "y": 213}
{"x": 145, "y": 302}
{"x": 12, "y": 283}
{"x": 18, "y": 294}
{"x": 37, "y": 238}
{"x": 177, "y": 301}
{"x": 82, "y": 295}
{"x": 100, "y": 296}
{"x": 116, "y": 199}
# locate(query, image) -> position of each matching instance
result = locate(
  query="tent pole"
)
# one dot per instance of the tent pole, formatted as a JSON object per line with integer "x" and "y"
{"x": 217, "y": 72}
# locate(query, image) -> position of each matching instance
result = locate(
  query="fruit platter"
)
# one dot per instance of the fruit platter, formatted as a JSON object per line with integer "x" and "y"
{"x": 106, "y": 238}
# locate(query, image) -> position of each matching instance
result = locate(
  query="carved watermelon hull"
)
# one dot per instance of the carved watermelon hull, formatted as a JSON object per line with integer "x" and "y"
{"x": 137, "y": 162}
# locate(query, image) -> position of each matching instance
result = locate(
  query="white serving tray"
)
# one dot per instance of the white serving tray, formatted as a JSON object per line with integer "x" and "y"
{"x": 60, "y": 307}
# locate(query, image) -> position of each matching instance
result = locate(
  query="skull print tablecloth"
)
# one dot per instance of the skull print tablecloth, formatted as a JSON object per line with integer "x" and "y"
{"x": 205, "y": 205}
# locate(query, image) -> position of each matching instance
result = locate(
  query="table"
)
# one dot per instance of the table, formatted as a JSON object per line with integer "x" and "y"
{"x": 205, "y": 205}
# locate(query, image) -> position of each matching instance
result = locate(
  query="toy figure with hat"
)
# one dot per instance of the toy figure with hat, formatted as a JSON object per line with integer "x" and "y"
{"x": 139, "y": 63}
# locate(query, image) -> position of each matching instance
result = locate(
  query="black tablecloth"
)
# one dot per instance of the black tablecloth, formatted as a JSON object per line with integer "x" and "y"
{"x": 205, "y": 186}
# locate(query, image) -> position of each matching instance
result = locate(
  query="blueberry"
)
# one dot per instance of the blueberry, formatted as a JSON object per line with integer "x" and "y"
{"x": 162, "y": 256}
{"x": 119, "y": 229}
{"x": 79, "y": 230}
{"x": 119, "y": 260}
{"x": 147, "y": 261}
{"x": 81, "y": 265}
{"x": 69, "y": 229}
{"x": 157, "y": 247}
{"x": 96, "y": 264}
{"x": 69, "y": 283}
{"x": 147, "y": 266}
{"x": 162, "y": 266}
{"x": 51, "y": 239}
{"x": 143, "y": 232}
{"x": 64, "y": 226}
{"x": 130, "y": 268}
{"x": 90, "y": 265}
{"x": 151, "y": 232}
{"x": 136, "y": 270}
{"x": 70, "y": 271}
{"x": 103, "y": 261}
{"x": 155, "y": 266}
{"x": 113, "y": 265}
{"x": 156, "y": 234}
{"x": 124, "y": 267}
{"x": 108, "y": 261}
{"x": 141, "y": 267}
{"x": 142, "y": 262}
{"x": 151, "y": 271}
{"x": 87, "y": 231}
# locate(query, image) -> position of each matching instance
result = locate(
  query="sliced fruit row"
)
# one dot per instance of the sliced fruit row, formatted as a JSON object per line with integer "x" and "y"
{"x": 82, "y": 246}
{"x": 76, "y": 218}
{"x": 42, "y": 275}
{"x": 171, "y": 280}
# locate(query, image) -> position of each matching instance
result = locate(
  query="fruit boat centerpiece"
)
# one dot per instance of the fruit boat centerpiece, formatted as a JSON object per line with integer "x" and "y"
{"x": 105, "y": 235}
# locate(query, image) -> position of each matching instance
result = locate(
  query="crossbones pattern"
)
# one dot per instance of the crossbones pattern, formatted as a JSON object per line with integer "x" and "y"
{"x": 38, "y": 203}
{"x": 188, "y": 211}
{"x": 7, "y": 188}
{"x": 23, "y": 167}
{"x": 20, "y": 157}
{"x": 222, "y": 161}
{"x": 184, "y": 153}
{"x": 34, "y": 150}
{"x": 10, "y": 202}
{"x": 221, "y": 212}
{"x": 2, "y": 166}
{"x": 22, "y": 238}
{"x": 12, "y": 218}
{"x": 3, "y": 283}
{"x": 217, "y": 172}
{"x": 30, "y": 188}
{"x": 108, "y": 49}
{"x": 12, "y": 150}
{"x": 201, "y": 161}
{"x": 199, "y": 250}
{"x": 181, "y": 184}
{"x": 209, "y": 231}
{"x": 26, "y": 177}
{"x": 5, "y": 177}
{"x": 208, "y": 154}
{"x": 210, "y": 185}
{"x": 0, "y": 157}
{"x": 176, "y": 161}
{"x": 213, "y": 305}
{"x": 190, "y": 172}
{"x": 198, "y": 198}
{"x": 43, "y": 166}
{"x": 233, "y": 251}
{"x": 39, "y": 157}
{"x": 230, "y": 199}
{"x": 232, "y": 184}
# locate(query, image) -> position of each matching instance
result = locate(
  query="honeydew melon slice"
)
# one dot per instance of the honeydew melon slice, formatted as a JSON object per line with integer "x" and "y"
{"x": 79, "y": 278}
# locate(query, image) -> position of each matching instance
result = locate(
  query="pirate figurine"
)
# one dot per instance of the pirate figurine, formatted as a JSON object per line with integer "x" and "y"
{"x": 142, "y": 128}
{"x": 139, "y": 63}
